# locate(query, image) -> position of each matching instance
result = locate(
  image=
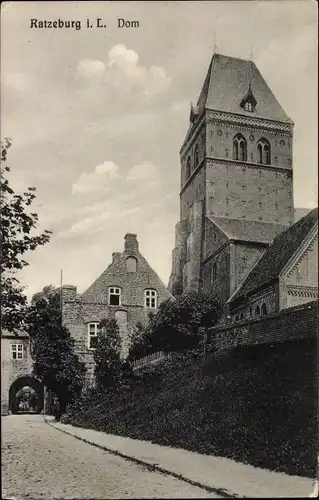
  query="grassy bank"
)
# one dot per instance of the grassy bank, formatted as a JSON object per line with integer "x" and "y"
{"x": 255, "y": 405}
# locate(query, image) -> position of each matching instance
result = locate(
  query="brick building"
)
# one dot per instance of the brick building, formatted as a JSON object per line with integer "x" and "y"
{"x": 128, "y": 290}
{"x": 16, "y": 370}
{"x": 236, "y": 193}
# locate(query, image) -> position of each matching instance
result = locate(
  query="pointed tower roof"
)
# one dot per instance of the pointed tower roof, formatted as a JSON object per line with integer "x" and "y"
{"x": 230, "y": 80}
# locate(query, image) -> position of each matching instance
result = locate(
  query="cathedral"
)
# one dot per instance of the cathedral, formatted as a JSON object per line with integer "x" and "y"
{"x": 237, "y": 237}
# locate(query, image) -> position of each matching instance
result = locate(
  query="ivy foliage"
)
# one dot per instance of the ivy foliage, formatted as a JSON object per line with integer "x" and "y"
{"x": 110, "y": 368}
{"x": 52, "y": 348}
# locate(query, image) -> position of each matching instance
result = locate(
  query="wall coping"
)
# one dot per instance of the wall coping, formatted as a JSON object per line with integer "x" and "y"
{"x": 270, "y": 317}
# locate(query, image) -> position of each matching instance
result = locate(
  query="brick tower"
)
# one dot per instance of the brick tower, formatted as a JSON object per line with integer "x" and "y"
{"x": 236, "y": 179}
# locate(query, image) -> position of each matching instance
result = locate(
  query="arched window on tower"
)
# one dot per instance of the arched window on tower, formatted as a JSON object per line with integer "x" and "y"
{"x": 239, "y": 148}
{"x": 264, "y": 153}
{"x": 188, "y": 168}
{"x": 257, "y": 312}
{"x": 264, "y": 310}
{"x": 196, "y": 157}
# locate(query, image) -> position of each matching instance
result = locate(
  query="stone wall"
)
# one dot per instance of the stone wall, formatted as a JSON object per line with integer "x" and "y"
{"x": 295, "y": 323}
{"x": 193, "y": 191}
{"x": 249, "y": 191}
{"x": 220, "y": 287}
{"x": 219, "y": 142}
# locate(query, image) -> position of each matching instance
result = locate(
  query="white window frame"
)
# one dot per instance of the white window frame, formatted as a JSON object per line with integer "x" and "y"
{"x": 93, "y": 334}
{"x": 115, "y": 290}
{"x": 17, "y": 352}
{"x": 150, "y": 298}
{"x": 248, "y": 106}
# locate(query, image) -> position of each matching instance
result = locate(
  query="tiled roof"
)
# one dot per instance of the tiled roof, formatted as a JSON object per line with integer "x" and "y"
{"x": 277, "y": 255}
{"x": 245, "y": 230}
{"x": 15, "y": 335}
{"x": 226, "y": 84}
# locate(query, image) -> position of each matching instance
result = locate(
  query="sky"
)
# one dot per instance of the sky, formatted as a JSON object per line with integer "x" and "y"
{"x": 97, "y": 116}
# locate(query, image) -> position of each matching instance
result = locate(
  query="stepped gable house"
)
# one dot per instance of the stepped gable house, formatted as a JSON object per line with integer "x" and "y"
{"x": 127, "y": 291}
{"x": 236, "y": 236}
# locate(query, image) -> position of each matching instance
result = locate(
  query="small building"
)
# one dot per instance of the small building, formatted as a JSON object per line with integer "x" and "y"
{"x": 285, "y": 276}
{"x": 128, "y": 290}
{"x": 16, "y": 370}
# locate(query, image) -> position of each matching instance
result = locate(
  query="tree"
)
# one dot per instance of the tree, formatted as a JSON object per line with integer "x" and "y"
{"x": 140, "y": 343}
{"x": 16, "y": 238}
{"x": 52, "y": 348}
{"x": 178, "y": 324}
{"x": 110, "y": 369}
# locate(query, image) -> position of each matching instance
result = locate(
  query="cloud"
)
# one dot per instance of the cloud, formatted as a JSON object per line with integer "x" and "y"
{"x": 94, "y": 181}
{"x": 17, "y": 81}
{"x": 144, "y": 172}
{"x": 123, "y": 74}
{"x": 109, "y": 195}
{"x": 89, "y": 68}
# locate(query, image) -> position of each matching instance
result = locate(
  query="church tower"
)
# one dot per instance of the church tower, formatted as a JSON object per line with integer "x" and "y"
{"x": 236, "y": 179}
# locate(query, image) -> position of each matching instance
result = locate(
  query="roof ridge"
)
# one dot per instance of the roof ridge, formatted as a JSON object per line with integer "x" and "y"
{"x": 298, "y": 222}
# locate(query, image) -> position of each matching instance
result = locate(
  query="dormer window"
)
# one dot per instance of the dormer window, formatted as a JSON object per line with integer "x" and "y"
{"x": 248, "y": 106}
{"x": 249, "y": 102}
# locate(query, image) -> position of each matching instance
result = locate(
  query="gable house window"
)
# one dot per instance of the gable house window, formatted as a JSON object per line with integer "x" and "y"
{"x": 114, "y": 296}
{"x": 93, "y": 331}
{"x": 263, "y": 148}
{"x": 239, "y": 148}
{"x": 16, "y": 351}
{"x": 150, "y": 299}
{"x": 131, "y": 265}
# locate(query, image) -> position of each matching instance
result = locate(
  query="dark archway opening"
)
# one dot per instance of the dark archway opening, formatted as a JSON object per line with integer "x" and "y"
{"x": 26, "y": 395}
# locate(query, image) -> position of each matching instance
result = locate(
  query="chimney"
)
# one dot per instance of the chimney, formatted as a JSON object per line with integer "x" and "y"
{"x": 69, "y": 293}
{"x": 131, "y": 243}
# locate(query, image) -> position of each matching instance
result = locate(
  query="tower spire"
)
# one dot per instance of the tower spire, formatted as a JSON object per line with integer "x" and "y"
{"x": 251, "y": 61}
{"x": 215, "y": 46}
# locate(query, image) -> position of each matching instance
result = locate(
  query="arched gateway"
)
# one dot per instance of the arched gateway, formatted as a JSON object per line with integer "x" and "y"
{"x": 23, "y": 381}
{"x": 16, "y": 373}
